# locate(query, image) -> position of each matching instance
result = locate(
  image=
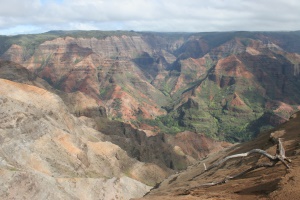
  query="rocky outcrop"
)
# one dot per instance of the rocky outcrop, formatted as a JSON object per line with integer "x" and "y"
{"x": 55, "y": 151}
{"x": 155, "y": 149}
{"x": 195, "y": 146}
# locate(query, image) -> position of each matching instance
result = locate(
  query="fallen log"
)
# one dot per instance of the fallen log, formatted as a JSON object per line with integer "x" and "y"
{"x": 280, "y": 156}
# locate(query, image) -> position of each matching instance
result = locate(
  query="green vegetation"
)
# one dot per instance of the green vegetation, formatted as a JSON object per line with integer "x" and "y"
{"x": 105, "y": 92}
{"x": 117, "y": 107}
{"x": 77, "y": 60}
{"x": 45, "y": 61}
{"x": 209, "y": 63}
{"x": 92, "y": 34}
{"x": 30, "y": 42}
{"x": 212, "y": 113}
{"x": 167, "y": 86}
{"x": 117, "y": 104}
{"x": 166, "y": 124}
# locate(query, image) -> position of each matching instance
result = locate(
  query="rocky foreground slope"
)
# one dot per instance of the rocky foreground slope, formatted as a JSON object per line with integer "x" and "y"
{"x": 275, "y": 182}
{"x": 46, "y": 153}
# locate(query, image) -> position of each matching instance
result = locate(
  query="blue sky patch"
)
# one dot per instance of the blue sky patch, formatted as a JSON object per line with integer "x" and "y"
{"x": 50, "y": 1}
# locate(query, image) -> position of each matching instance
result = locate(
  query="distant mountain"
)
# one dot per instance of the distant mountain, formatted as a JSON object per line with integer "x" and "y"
{"x": 226, "y": 85}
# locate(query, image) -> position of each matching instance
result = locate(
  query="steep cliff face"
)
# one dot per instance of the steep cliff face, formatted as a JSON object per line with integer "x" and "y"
{"x": 103, "y": 69}
{"x": 235, "y": 77}
{"x": 46, "y": 152}
{"x": 235, "y": 85}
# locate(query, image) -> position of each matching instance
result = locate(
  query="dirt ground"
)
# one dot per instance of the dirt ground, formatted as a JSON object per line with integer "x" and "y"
{"x": 277, "y": 182}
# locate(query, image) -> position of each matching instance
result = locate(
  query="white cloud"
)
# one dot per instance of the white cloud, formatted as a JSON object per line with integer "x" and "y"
{"x": 18, "y": 16}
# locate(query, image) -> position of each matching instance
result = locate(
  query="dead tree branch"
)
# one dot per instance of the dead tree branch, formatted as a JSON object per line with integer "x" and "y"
{"x": 227, "y": 178}
{"x": 258, "y": 151}
{"x": 280, "y": 156}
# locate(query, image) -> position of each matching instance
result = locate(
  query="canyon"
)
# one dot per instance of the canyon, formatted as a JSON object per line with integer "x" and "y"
{"x": 228, "y": 86}
{"x": 49, "y": 151}
{"x": 110, "y": 114}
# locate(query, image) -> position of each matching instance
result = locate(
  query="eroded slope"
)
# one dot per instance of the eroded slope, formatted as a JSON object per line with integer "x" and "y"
{"x": 276, "y": 182}
{"x": 46, "y": 153}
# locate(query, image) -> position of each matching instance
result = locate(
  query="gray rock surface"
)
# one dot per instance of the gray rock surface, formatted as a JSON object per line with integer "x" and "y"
{"x": 47, "y": 153}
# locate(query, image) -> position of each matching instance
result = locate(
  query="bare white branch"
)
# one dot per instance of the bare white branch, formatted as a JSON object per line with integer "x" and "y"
{"x": 258, "y": 151}
{"x": 280, "y": 156}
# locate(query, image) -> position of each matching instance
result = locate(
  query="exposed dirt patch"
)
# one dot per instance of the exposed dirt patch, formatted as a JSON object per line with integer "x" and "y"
{"x": 232, "y": 66}
{"x": 264, "y": 183}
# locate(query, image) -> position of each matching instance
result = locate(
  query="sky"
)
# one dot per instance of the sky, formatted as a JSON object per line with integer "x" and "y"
{"x": 37, "y": 16}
